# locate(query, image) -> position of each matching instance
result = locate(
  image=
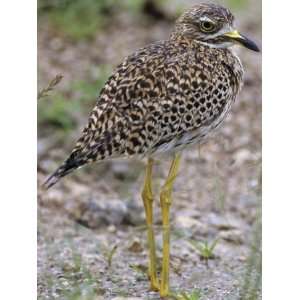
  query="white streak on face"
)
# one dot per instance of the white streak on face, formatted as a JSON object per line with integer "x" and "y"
{"x": 206, "y": 19}
{"x": 220, "y": 45}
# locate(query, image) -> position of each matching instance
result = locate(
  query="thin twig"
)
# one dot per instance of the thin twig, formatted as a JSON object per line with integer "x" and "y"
{"x": 54, "y": 82}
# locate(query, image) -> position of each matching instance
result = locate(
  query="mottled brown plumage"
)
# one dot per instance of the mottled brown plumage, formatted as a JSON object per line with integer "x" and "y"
{"x": 161, "y": 99}
{"x": 165, "y": 96}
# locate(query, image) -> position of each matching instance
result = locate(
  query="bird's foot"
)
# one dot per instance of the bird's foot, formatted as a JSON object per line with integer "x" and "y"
{"x": 154, "y": 286}
{"x": 164, "y": 293}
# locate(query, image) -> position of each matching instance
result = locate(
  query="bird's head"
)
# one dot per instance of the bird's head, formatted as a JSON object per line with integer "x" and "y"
{"x": 212, "y": 25}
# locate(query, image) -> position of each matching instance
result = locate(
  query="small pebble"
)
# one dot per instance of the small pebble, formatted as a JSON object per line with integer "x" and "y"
{"x": 136, "y": 246}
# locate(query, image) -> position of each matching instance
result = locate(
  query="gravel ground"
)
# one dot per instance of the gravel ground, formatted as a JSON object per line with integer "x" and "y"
{"x": 91, "y": 231}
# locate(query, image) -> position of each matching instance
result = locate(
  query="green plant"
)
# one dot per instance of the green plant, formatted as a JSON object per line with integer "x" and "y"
{"x": 109, "y": 254}
{"x": 205, "y": 249}
{"x": 194, "y": 295}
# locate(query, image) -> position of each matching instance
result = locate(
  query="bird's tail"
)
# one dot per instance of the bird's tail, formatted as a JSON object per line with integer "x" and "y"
{"x": 66, "y": 168}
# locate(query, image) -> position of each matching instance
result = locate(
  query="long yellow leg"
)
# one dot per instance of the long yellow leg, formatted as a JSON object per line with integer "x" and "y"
{"x": 147, "y": 196}
{"x": 165, "y": 202}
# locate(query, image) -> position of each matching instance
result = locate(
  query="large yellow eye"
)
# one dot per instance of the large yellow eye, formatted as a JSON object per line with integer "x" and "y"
{"x": 207, "y": 26}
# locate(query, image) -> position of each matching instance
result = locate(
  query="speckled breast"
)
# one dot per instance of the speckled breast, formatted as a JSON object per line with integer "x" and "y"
{"x": 202, "y": 88}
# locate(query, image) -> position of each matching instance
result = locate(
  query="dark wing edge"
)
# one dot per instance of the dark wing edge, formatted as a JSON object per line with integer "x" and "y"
{"x": 66, "y": 168}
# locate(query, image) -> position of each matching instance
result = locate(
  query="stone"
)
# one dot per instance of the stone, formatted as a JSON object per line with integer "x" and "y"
{"x": 232, "y": 236}
{"x": 96, "y": 213}
{"x": 136, "y": 246}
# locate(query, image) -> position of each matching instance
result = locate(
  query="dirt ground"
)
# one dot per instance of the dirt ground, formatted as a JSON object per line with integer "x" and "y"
{"x": 91, "y": 230}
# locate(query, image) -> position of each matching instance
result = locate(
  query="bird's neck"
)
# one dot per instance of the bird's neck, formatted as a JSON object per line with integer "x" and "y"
{"x": 181, "y": 41}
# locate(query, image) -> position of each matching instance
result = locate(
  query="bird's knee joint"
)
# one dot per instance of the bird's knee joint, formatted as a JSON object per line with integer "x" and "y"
{"x": 165, "y": 197}
{"x": 147, "y": 196}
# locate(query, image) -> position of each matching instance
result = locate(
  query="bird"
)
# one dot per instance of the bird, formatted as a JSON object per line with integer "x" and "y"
{"x": 161, "y": 99}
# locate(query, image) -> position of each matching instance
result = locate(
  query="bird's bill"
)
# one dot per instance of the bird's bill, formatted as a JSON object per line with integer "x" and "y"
{"x": 241, "y": 39}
